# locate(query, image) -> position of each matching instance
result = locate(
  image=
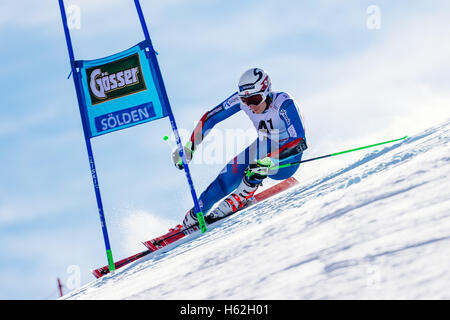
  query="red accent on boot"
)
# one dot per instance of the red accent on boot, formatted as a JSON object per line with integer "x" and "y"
{"x": 231, "y": 203}
{"x": 238, "y": 199}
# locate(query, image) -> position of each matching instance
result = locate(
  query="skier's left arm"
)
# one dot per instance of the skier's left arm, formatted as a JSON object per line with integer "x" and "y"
{"x": 292, "y": 119}
{"x": 224, "y": 110}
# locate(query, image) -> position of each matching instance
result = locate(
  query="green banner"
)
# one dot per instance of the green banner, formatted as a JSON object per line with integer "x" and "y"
{"x": 115, "y": 79}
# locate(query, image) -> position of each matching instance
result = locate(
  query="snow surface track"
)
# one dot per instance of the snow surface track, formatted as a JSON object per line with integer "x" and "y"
{"x": 376, "y": 229}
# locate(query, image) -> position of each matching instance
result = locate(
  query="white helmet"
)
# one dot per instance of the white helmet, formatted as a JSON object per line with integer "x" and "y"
{"x": 254, "y": 86}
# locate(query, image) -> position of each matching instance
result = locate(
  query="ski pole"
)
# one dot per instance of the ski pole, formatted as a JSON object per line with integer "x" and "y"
{"x": 200, "y": 216}
{"x": 334, "y": 154}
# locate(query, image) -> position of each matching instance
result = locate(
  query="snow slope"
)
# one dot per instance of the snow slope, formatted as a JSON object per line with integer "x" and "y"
{"x": 376, "y": 229}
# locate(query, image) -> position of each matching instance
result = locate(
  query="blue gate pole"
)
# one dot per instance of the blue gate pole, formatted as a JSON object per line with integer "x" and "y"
{"x": 171, "y": 116}
{"x": 87, "y": 139}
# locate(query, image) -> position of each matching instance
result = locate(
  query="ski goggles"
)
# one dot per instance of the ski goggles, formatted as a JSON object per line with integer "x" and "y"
{"x": 254, "y": 99}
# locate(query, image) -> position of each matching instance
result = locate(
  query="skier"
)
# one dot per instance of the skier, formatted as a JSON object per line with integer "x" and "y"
{"x": 281, "y": 139}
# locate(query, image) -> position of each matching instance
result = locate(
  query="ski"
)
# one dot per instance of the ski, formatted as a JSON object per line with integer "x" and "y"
{"x": 178, "y": 232}
{"x": 171, "y": 237}
{"x": 100, "y": 272}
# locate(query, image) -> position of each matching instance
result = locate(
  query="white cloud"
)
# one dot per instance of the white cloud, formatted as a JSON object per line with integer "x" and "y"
{"x": 391, "y": 88}
{"x": 17, "y": 210}
{"x": 12, "y": 124}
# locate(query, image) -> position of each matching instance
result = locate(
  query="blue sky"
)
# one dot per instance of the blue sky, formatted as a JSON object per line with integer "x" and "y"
{"x": 354, "y": 85}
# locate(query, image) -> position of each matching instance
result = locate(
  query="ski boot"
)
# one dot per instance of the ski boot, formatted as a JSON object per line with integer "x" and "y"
{"x": 190, "y": 222}
{"x": 242, "y": 197}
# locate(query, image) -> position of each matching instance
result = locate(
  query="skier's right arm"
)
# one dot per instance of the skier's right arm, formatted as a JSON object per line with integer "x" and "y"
{"x": 219, "y": 113}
